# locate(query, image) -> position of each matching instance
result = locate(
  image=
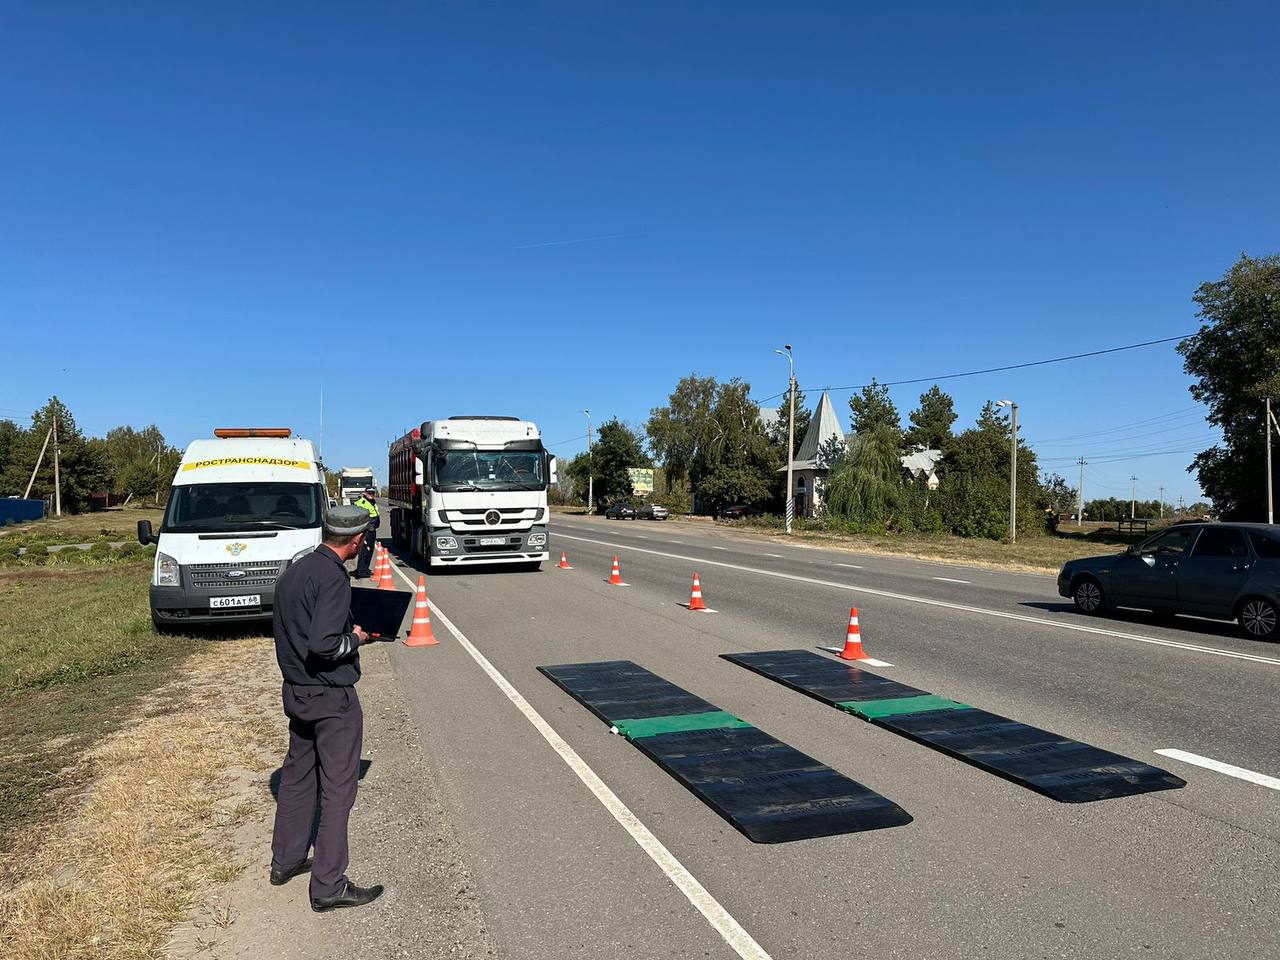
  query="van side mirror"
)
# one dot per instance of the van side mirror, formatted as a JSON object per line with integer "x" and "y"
{"x": 145, "y": 536}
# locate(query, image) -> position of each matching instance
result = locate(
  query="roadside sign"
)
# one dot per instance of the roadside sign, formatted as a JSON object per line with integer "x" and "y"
{"x": 641, "y": 480}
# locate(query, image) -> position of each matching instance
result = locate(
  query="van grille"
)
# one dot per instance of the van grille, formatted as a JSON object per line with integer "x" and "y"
{"x": 257, "y": 573}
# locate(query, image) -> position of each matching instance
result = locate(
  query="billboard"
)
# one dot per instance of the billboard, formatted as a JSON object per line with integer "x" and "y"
{"x": 641, "y": 480}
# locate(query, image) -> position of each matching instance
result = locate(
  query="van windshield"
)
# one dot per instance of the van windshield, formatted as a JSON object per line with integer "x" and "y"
{"x": 225, "y": 507}
{"x": 488, "y": 469}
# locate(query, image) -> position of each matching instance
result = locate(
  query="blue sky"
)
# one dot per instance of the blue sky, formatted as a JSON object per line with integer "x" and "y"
{"x": 211, "y": 211}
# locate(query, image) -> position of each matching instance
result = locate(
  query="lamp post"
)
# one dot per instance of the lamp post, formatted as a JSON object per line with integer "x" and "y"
{"x": 591, "y": 477}
{"x": 789, "y": 508}
{"x": 1013, "y": 468}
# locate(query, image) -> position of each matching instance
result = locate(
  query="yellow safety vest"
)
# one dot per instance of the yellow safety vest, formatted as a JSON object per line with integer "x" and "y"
{"x": 368, "y": 507}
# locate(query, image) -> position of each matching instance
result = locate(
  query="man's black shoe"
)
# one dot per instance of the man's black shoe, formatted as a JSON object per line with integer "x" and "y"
{"x": 349, "y": 896}
{"x": 280, "y": 877}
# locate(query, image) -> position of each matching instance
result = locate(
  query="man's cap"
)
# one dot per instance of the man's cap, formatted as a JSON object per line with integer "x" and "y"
{"x": 346, "y": 521}
{"x": 370, "y": 491}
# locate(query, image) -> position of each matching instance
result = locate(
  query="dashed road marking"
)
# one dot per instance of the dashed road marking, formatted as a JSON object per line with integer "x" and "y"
{"x": 951, "y": 580}
{"x": 1240, "y": 773}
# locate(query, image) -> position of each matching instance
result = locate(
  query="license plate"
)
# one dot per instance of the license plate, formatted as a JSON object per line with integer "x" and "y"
{"x": 249, "y": 600}
{"x": 492, "y": 541}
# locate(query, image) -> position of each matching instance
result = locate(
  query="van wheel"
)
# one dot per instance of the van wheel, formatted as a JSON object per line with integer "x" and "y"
{"x": 1260, "y": 619}
{"x": 1087, "y": 596}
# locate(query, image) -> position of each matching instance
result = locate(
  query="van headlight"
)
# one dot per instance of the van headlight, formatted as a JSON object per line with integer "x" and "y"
{"x": 446, "y": 543}
{"x": 300, "y": 554}
{"x": 537, "y": 539}
{"x": 166, "y": 571}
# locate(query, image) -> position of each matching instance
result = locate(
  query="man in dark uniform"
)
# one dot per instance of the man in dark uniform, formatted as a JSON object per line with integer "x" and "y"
{"x": 368, "y": 503}
{"x": 317, "y": 647}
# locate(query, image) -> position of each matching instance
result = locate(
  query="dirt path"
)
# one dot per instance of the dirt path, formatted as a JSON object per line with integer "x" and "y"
{"x": 399, "y": 837}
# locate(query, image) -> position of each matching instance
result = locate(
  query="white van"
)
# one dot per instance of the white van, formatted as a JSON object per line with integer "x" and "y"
{"x": 242, "y": 508}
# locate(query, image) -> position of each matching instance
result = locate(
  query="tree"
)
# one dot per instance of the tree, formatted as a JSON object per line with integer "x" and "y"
{"x": 678, "y": 431}
{"x": 140, "y": 462}
{"x": 82, "y": 467}
{"x": 1059, "y": 496}
{"x": 873, "y": 409}
{"x": 778, "y": 429}
{"x": 973, "y": 496}
{"x": 931, "y": 421}
{"x": 617, "y": 448}
{"x": 1235, "y": 358}
{"x": 737, "y": 463}
{"x": 869, "y": 488}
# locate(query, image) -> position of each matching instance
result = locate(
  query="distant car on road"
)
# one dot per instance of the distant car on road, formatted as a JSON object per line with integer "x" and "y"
{"x": 1227, "y": 571}
{"x": 620, "y": 511}
{"x": 652, "y": 511}
{"x": 738, "y": 511}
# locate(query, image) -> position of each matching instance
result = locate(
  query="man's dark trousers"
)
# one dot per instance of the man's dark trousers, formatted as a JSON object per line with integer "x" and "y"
{"x": 326, "y": 727}
{"x": 366, "y": 551}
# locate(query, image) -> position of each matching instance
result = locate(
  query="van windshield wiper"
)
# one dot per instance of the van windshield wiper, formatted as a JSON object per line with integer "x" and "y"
{"x": 272, "y": 524}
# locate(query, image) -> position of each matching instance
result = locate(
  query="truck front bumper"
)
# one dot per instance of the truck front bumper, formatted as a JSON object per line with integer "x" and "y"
{"x": 452, "y": 549}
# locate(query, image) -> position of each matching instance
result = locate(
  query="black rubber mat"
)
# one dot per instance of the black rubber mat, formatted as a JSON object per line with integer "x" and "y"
{"x": 1059, "y": 767}
{"x": 768, "y": 790}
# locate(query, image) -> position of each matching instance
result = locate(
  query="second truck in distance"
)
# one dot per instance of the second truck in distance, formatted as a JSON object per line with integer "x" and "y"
{"x": 471, "y": 490}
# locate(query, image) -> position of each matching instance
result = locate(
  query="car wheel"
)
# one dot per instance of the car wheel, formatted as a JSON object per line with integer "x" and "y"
{"x": 1087, "y": 596}
{"x": 1260, "y": 619}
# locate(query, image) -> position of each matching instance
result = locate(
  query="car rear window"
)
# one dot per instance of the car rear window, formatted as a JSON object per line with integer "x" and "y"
{"x": 1220, "y": 542}
{"x": 1265, "y": 546}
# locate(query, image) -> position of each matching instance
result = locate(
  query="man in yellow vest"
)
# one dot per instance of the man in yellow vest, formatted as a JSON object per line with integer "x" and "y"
{"x": 368, "y": 505}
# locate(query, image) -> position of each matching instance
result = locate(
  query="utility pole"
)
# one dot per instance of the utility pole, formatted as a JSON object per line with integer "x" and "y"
{"x": 1013, "y": 467}
{"x": 789, "y": 507}
{"x": 591, "y": 469}
{"x": 57, "y": 480}
{"x": 1267, "y": 423}
{"x": 1162, "y": 503}
{"x": 1179, "y": 508}
{"x": 159, "y": 475}
{"x": 1133, "y": 497}
{"x": 1080, "y": 510}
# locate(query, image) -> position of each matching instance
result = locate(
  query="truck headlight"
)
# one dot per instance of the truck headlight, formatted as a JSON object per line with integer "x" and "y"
{"x": 300, "y": 554}
{"x": 446, "y": 543}
{"x": 166, "y": 571}
{"x": 537, "y": 539}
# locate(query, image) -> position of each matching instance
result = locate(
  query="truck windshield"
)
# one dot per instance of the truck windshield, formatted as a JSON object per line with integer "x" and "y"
{"x": 488, "y": 469}
{"x": 224, "y": 507}
{"x": 361, "y": 481}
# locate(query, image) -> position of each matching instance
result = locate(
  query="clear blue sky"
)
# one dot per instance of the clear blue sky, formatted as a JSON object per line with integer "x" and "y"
{"x": 211, "y": 210}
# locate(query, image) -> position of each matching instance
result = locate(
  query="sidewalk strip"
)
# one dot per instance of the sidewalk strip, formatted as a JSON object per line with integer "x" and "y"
{"x": 741, "y": 942}
{"x": 1240, "y": 773}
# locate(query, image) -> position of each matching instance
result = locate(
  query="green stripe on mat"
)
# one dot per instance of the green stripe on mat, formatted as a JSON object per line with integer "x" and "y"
{"x": 871, "y": 709}
{"x": 678, "y": 723}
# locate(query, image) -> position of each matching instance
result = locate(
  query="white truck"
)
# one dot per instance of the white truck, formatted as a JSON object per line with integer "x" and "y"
{"x": 243, "y": 506}
{"x": 352, "y": 483}
{"x": 471, "y": 490}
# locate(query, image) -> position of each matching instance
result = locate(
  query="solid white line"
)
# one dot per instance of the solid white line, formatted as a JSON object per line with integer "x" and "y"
{"x": 952, "y": 580}
{"x": 851, "y": 566}
{"x": 712, "y": 547}
{"x": 742, "y": 943}
{"x": 930, "y": 601}
{"x": 1218, "y": 766}
{"x": 776, "y": 556}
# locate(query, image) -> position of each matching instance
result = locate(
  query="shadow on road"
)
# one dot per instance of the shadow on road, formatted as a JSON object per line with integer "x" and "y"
{"x": 1208, "y": 628}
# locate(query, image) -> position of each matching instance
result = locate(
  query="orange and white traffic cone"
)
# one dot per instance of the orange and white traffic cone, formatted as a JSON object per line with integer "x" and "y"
{"x": 564, "y": 561}
{"x": 853, "y": 639}
{"x": 386, "y": 582}
{"x": 420, "y": 634}
{"x": 695, "y": 598}
{"x": 615, "y": 575}
{"x": 377, "y": 564}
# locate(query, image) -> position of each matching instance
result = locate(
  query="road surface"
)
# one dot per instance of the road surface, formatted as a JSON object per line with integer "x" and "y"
{"x": 583, "y": 847}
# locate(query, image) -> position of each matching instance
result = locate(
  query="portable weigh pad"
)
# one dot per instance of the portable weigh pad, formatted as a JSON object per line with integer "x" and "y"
{"x": 765, "y": 788}
{"x": 1064, "y": 769}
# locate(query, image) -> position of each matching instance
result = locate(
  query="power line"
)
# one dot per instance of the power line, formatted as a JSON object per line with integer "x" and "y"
{"x": 1011, "y": 366}
{"x": 1164, "y": 417}
{"x": 559, "y": 443}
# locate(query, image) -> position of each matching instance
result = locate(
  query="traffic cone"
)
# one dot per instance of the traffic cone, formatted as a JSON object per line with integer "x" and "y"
{"x": 386, "y": 582}
{"x": 615, "y": 575}
{"x": 420, "y": 634}
{"x": 564, "y": 561}
{"x": 695, "y": 598}
{"x": 377, "y": 563}
{"x": 853, "y": 639}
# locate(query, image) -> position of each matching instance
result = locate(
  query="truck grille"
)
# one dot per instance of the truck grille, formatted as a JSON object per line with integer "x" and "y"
{"x": 473, "y": 545}
{"x": 257, "y": 573}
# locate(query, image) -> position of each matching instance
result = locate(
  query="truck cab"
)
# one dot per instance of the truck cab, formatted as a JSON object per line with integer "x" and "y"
{"x": 353, "y": 482}
{"x": 243, "y": 507}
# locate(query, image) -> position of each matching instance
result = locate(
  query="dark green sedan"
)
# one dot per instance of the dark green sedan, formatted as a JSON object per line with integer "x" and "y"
{"x": 1227, "y": 571}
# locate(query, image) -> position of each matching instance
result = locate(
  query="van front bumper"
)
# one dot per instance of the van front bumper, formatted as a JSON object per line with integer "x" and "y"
{"x": 178, "y": 605}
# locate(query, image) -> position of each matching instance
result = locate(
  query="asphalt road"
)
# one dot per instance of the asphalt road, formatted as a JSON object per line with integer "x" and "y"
{"x": 987, "y": 867}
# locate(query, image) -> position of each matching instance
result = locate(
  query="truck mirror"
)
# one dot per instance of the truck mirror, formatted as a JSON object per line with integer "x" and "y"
{"x": 144, "y": 532}
{"x": 551, "y": 470}
{"x": 417, "y": 470}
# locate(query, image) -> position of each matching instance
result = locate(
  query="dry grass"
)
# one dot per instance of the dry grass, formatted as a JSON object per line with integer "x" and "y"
{"x": 131, "y": 856}
{"x": 120, "y": 523}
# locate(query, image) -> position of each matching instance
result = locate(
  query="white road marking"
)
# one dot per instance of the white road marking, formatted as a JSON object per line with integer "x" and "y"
{"x": 868, "y": 661}
{"x": 1219, "y": 767}
{"x": 952, "y": 580}
{"x": 712, "y": 547}
{"x": 742, "y": 943}
{"x": 851, "y": 566}
{"x": 776, "y": 556}
{"x": 930, "y": 601}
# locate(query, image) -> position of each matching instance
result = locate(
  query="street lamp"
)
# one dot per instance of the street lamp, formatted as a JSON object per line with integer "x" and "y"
{"x": 1013, "y": 468}
{"x": 790, "y": 508}
{"x": 591, "y": 478}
